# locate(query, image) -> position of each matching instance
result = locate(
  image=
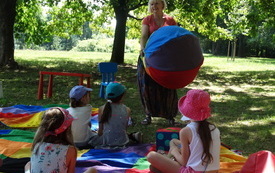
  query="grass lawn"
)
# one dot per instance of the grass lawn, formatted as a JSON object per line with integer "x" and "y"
{"x": 242, "y": 92}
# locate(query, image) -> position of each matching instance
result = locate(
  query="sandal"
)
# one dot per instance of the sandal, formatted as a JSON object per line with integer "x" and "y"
{"x": 146, "y": 121}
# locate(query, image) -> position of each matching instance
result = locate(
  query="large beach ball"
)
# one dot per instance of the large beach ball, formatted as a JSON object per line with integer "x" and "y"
{"x": 173, "y": 56}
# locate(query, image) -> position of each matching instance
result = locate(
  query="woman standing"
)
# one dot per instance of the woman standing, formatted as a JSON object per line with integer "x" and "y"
{"x": 157, "y": 100}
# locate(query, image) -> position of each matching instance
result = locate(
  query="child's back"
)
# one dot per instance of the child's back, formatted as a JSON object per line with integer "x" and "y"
{"x": 196, "y": 148}
{"x": 114, "y": 132}
{"x": 81, "y": 127}
{"x": 81, "y": 110}
{"x": 54, "y": 155}
{"x": 53, "y": 148}
{"x": 113, "y": 119}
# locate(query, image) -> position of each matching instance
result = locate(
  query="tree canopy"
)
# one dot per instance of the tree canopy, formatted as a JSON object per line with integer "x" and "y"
{"x": 36, "y": 20}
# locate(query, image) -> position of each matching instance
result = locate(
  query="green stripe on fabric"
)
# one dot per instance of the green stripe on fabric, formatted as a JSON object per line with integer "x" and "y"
{"x": 19, "y": 136}
{"x": 2, "y": 156}
{"x": 56, "y": 105}
{"x": 142, "y": 164}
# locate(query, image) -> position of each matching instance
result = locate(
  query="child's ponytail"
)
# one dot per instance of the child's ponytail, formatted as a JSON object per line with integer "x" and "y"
{"x": 107, "y": 112}
{"x": 205, "y": 135}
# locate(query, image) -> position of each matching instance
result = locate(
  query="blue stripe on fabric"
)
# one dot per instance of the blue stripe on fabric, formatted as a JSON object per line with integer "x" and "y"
{"x": 4, "y": 132}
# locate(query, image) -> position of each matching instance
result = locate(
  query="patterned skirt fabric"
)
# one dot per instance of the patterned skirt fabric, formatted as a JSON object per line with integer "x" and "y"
{"x": 157, "y": 100}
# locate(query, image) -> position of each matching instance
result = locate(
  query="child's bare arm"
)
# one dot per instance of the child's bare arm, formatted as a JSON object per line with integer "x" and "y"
{"x": 71, "y": 159}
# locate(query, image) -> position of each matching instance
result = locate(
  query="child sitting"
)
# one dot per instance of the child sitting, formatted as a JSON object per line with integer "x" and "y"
{"x": 53, "y": 148}
{"x": 198, "y": 149}
{"x": 81, "y": 110}
{"x": 113, "y": 119}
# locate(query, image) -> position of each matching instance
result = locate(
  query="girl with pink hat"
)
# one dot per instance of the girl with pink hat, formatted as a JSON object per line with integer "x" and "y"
{"x": 198, "y": 149}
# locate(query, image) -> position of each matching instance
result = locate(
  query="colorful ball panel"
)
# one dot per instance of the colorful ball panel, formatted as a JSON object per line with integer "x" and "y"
{"x": 173, "y": 56}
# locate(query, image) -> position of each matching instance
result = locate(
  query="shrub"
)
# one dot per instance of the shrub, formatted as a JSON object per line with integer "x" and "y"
{"x": 104, "y": 45}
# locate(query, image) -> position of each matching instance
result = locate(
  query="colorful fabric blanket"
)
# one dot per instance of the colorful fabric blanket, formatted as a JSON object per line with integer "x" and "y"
{"x": 15, "y": 147}
{"x": 15, "y": 150}
{"x": 24, "y": 116}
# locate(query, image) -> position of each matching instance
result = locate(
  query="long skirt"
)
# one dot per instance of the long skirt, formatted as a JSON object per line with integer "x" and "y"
{"x": 157, "y": 100}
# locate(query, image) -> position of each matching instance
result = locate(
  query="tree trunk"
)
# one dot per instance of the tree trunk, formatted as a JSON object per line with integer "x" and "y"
{"x": 242, "y": 47}
{"x": 7, "y": 18}
{"x": 120, "y": 32}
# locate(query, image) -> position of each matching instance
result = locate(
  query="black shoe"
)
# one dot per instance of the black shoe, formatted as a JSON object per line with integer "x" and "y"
{"x": 146, "y": 121}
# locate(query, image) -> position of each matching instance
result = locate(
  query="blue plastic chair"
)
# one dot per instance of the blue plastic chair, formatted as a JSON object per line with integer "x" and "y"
{"x": 107, "y": 70}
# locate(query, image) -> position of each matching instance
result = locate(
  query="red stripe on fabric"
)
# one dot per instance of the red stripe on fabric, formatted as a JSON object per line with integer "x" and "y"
{"x": 11, "y": 115}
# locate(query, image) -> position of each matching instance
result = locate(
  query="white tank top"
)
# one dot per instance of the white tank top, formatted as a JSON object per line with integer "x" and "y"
{"x": 196, "y": 149}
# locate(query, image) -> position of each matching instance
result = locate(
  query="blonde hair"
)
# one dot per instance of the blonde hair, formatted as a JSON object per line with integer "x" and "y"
{"x": 150, "y": 1}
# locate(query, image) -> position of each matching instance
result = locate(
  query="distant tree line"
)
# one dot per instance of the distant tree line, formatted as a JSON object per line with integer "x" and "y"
{"x": 239, "y": 27}
{"x": 258, "y": 46}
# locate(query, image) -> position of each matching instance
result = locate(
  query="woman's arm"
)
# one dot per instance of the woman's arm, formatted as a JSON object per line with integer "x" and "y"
{"x": 144, "y": 36}
{"x": 71, "y": 159}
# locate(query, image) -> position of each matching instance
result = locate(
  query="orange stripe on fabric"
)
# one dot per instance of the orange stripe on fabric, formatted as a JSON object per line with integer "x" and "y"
{"x": 229, "y": 167}
{"x": 24, "y": 122}
{"x": 8, "y": 148}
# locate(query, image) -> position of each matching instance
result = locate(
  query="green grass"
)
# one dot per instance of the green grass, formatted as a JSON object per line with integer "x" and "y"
{"x": 242, "y": 92}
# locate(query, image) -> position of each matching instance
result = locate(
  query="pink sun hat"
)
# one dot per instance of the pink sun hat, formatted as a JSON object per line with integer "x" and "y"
{"x": 195, "y": 105}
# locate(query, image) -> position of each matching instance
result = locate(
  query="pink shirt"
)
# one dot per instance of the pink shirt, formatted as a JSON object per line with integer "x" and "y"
{"x": 149, "y": 20}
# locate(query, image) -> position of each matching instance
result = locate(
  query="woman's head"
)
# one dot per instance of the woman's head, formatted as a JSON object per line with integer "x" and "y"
{"x": 79, "y": 96}
{"x": 55, "y": 127}
{"x": 195, "y": 105}
{"x": 156, "y": 4}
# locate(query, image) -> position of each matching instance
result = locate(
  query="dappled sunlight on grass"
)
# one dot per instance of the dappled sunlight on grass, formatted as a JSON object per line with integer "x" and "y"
{"x": 242, "y": 91}
{"x": 241, "y": 123}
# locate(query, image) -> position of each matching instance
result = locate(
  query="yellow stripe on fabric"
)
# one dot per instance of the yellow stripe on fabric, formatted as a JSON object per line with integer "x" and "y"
{"x": 23, "y": 152}
{"x": 33, "y": 121}
{"x": 8, "y": 148}
{"x": 227, "y": 155}
{"x": 94, "y": 111}
{"x": 81, "y": 152}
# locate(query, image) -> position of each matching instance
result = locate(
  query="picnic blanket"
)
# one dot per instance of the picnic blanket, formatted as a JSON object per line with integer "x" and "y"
{"x": 15, "y": 147}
